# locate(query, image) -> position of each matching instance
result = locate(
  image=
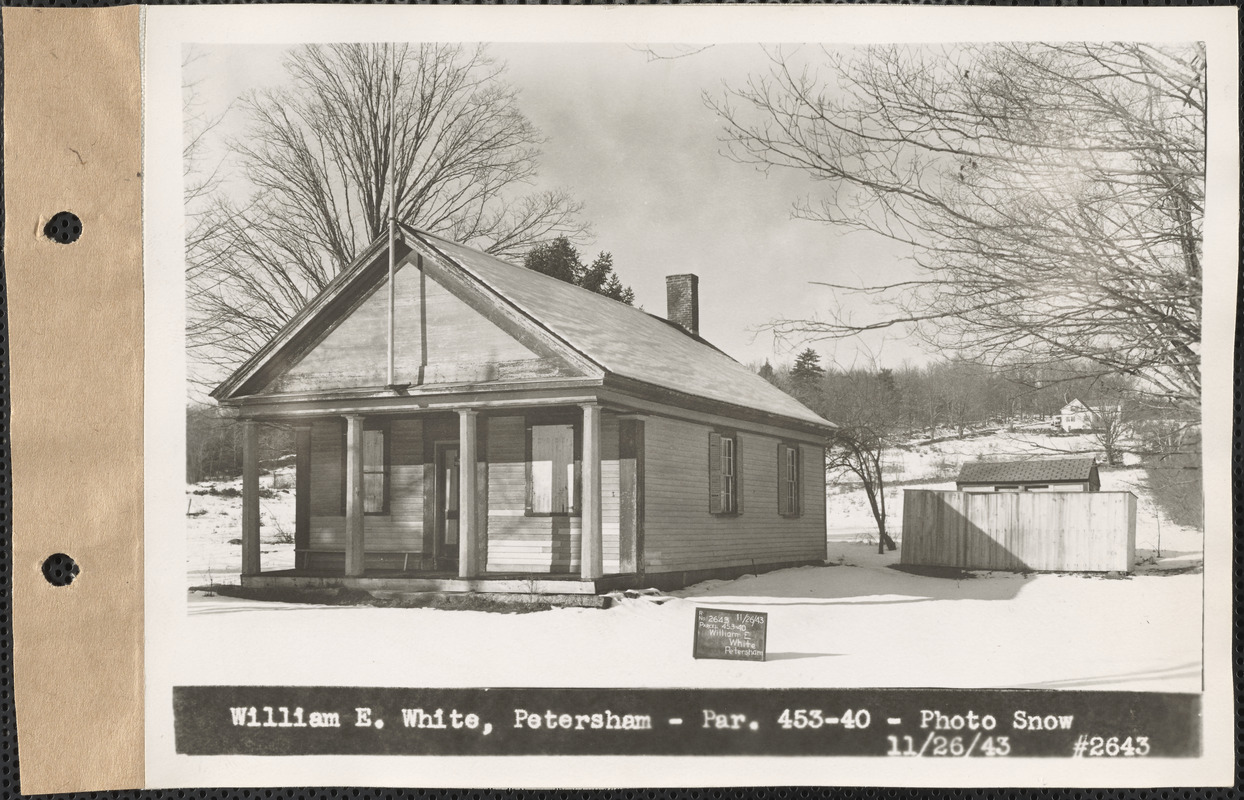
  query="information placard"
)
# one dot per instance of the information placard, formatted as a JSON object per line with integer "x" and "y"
{"x": 733, "y": 635}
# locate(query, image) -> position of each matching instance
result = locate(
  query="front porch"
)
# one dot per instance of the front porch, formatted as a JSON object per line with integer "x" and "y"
{"x": 540, "y": 500}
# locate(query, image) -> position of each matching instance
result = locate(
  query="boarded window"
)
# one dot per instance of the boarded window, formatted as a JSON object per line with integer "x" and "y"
{"x": 375, "y": 471}
{"x": 723, "y": 474}
{"x": 551, "y": 487}
{"x": 788, "y": 480}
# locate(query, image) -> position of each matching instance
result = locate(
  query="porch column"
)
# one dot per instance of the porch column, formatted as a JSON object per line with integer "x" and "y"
{"x": 468, "y": 523}
{"x": 354, "y": 496}
{"x": 250, "y": 497}
{"x": 302, "y": 494}
{"x": 592, "y": 565}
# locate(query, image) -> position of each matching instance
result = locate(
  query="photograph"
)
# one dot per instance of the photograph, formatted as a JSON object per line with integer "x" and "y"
{"x": 727, "y": 383}
{"x": 925, "y": 378}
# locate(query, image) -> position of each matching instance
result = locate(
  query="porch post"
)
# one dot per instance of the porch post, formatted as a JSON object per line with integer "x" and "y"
{"x": 354, "y": 496}
{"x": 302, "y": 494}
{"x": 591, "y": 561}
{"x": 468, "y": 524}
{"x": 250, "y": 497}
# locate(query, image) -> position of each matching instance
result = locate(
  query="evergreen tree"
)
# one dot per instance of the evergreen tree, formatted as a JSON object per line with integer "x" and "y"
{"x": 560, "y": 259}
{"x": 807, "y": 367}
{"x": 767, "y": 372}
{"x": 600, "y": 278}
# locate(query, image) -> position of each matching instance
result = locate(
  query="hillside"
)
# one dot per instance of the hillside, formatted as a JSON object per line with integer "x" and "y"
{"x": 924, "y": 465}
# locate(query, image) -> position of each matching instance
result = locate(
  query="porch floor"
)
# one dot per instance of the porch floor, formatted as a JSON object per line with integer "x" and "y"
{"x": 411, "y": 581}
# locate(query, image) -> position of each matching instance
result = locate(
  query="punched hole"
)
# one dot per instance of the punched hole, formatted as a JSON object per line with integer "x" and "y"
{"x": 64, "y": 228}
{"x": 60, "y": 569}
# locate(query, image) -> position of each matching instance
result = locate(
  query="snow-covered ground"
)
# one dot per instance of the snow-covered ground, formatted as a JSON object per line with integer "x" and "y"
{"x": 214, "y": 527}
{"x": 857, "y": 621}
{"x": 941, "y": 459}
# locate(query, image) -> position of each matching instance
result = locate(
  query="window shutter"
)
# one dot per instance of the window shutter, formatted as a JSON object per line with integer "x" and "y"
{"x": 738, "y": 476}
{"x": 782, "y": 477}
{"x": 714, "y": 472}
{"x": 798, "y": 509}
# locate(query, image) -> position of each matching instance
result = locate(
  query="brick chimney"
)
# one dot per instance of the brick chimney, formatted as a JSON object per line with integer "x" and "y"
{"x": 682, "y": 302}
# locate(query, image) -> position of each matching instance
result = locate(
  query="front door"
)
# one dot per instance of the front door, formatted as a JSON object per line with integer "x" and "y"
{"x": 446, "y": 544}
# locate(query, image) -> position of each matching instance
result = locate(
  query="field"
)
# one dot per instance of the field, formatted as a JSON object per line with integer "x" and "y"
{"x": 857, "y": 621}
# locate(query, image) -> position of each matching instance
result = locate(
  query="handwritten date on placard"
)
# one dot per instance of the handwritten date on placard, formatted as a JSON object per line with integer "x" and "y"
{"x": 733, "y": 635}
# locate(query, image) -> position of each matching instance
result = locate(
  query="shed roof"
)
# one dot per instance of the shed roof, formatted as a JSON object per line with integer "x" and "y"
{"x": 1047, "y": 470}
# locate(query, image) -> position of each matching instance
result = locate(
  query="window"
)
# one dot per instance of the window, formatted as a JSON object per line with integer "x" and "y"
{"x": 375, "y": 471}
{"x": 788, "y": 480}
{"x": 552, "y": 484}
{"x": 724, "y": 486}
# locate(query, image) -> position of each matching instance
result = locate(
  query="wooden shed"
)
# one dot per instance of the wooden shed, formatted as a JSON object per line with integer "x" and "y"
{"x": 1035, "y": 475}
{"x": 474, "y": 425}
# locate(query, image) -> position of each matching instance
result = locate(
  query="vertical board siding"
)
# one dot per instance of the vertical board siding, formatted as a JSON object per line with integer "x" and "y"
{"x": 679, "y": 531}
{"x": 1020, "y": 531}
{"x": 401, "y": 530}
{"x": 327, "y": 462}
{"x": 439, "y": 339}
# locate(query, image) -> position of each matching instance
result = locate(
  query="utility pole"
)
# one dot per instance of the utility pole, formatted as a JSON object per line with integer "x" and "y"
{"x": 392, "y": 196}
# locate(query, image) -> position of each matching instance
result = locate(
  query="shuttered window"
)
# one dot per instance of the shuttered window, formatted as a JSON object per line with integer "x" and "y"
{"x": 552, "y": 477}
{"x": 724, "y": 484}
{"x": 375, "y": 471}
{"x": 788, "y": 480}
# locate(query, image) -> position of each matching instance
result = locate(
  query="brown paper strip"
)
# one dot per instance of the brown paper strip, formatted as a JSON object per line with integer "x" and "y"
{"x": 72, "y": 143}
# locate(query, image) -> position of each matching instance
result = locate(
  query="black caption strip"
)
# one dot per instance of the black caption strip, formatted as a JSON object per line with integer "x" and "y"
{"x": 898, "y": 723}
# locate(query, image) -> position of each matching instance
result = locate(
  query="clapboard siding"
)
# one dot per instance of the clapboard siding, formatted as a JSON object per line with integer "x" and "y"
{"x": 680, "y": 533}
{"x": 549, "y": 544}
{"x": 1051, "y": 531}
{"x": 401, "y": 530}
{"x": 610, "y": 494}
{"x": 517, "y": 542}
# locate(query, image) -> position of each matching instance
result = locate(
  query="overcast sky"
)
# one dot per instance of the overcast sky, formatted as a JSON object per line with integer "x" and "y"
{"x": 632, "y": 139}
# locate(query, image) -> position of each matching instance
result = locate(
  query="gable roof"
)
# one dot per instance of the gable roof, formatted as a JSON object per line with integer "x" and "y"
{"x": 1048, "y": 470}
{"x": 621, "y": 340}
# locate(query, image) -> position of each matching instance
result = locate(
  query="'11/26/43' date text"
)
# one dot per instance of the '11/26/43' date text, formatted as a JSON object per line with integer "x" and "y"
{"x": 940, "y": 739}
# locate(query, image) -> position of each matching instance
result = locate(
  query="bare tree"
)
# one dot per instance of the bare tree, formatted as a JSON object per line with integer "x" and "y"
{"x": 857, "y": 450}
{"x": 1110, "y": 427}
{"x": 1051, "y": 194}
{"x": 317, "y": 155}
{"x": 866, "y": 406}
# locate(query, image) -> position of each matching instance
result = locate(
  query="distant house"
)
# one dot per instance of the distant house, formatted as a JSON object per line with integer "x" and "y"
{"x": 478, "y": 426}
{"x": 1075, "y": 416}
{"x": 1037, "y": 475}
